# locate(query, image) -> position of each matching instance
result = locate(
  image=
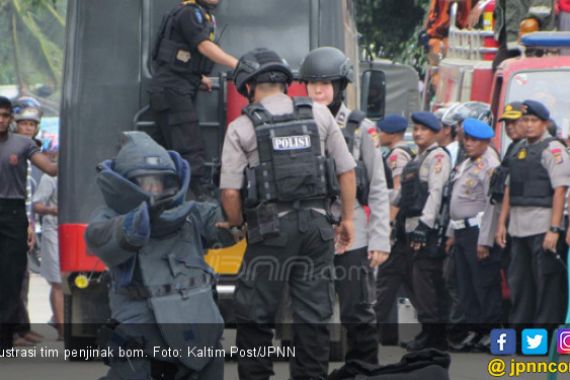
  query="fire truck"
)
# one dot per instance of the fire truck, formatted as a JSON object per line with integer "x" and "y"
{"x": 106, "y": 77}
{"x": 539, "y": 73}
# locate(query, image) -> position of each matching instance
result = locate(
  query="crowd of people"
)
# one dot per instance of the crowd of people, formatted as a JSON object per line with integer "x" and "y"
{"x": 22, "y": 205}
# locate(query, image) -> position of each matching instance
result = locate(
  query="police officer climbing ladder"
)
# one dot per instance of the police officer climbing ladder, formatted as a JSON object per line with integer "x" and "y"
{"x": 184, "y": 54}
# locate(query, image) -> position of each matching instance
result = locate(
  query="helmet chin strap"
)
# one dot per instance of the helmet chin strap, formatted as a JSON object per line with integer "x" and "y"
{"x": 338, "y": 97}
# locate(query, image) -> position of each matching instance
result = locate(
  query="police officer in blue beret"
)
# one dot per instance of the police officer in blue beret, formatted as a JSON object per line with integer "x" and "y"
{"x": 471, "y": 233}
{"x": 422, "y": 183}
{"x": 533, "y": 203}
{"x": 394, "y": 272}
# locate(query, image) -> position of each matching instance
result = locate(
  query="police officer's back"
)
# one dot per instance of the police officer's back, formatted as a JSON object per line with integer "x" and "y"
{"x": 281, "y": 144}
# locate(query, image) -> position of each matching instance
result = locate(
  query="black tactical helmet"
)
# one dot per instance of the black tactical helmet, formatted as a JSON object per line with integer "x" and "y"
{"x": 327, "y": 64}
{"x": 261, "y": 66}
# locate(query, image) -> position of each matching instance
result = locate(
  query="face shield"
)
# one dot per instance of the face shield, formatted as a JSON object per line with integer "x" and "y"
{"x": 158, "y": 186}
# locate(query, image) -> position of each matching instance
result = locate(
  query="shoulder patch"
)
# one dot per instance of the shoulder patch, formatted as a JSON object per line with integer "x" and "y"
{"x": 393, "y": 157}
{"x": 557, "y": 153}
{"x": 198, "y": 15}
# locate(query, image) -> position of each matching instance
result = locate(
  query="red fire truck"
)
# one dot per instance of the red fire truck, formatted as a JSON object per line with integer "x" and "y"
{"x": 540, "y": 73}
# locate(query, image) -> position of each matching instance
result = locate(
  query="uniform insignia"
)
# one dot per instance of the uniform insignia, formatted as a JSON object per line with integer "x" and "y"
{"x": 13, "y": 159}
{"x": 439, "y": 156}
{"x": 557, "y": 153}
{"x": 291, "y": 142}
{"x": 183, "y": 55}
{"x": 438, "y": 166}
{"x": 470, "y": 182}
{"x": 375, "y": 136}
{"x": 522, "y": 154}
{"x": 198, "y": 16}
{"x": 393, "y": 161}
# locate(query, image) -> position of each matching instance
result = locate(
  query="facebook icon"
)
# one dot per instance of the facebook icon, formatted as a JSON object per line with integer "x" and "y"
{"x": 503, "y": 341}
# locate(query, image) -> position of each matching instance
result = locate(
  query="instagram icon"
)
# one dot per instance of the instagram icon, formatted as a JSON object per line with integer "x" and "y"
{"x": 563, "y": 343}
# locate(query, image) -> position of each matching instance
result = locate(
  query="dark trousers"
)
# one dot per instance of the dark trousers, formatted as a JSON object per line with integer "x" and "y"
{"x": 178, "y": 128}
{"x": 537, "y": 283}
{"x": 456, "y": 316}
{"x": 479, "y": 281}
{"x": 397, "y": 270}
{"x": 13, "y": 259}
{"x": 301, "y": 256}
{"x": 355, "y": 289}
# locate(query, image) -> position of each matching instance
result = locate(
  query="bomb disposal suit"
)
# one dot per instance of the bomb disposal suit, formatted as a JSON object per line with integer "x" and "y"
{"x": 153, "y": 243}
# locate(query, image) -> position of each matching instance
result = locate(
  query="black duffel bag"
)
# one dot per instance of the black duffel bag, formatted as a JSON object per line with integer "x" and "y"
{"x": 430, "y": 364}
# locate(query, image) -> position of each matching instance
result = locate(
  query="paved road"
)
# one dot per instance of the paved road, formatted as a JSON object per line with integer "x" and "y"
{"x": 463, "y": 367}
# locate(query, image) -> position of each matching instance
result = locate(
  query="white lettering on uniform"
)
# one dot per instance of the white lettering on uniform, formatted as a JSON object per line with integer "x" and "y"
{"x": 292, "y": 142}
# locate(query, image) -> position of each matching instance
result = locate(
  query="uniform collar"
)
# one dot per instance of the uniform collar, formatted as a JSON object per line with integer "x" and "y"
{"x": 274, "y": 99}
{"x": 342, "y": 115}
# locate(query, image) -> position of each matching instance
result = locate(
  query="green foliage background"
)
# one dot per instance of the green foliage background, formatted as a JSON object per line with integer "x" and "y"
{"x": 31, "y": 47}
{"x": 390, "y": 29}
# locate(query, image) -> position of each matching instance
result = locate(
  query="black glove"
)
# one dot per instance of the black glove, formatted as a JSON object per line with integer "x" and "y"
{"x": 420, "y": 234}
{"x": 423, "y": 40}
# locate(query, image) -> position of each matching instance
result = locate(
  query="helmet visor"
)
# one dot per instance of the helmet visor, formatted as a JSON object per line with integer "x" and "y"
{"x": 157, "y": 184}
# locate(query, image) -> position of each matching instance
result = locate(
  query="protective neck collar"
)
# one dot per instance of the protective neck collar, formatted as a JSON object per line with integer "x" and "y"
{"x": 338, "y": 97}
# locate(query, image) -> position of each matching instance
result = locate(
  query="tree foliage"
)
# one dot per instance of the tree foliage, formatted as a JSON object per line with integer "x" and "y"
{"x": 31, "y": 54}
{"x": 390, "y": 29}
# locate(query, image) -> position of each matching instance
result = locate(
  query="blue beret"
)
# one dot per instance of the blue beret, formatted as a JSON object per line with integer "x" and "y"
{"x": 393, "y": 124}
{"x": 427, "y": 119}
{"x": 477, "y": 129}
{"x": 537, "y": 109}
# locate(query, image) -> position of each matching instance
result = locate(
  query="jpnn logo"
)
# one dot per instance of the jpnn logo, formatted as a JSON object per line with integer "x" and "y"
{"x": 534, "y": 342}
{"x": 503, "y": 341}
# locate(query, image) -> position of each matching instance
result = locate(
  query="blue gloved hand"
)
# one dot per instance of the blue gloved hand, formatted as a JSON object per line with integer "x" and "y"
{"x": 136, "y": 226}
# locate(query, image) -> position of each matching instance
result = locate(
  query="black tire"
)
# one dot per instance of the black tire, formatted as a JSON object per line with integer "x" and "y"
{"x": 71, "y": 341}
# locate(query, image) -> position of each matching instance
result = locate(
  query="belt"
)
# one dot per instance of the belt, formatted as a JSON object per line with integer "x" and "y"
{"x": 143, "y": 292}
{"x": 302, "y": 204}
{"x": 461, "y": 224}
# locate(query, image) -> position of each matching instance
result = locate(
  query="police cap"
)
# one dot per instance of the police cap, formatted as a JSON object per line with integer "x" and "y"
{"x": 393, "y": 124}
{"x": 532, "y": 107}
{"x": 427, "y": 119}
{"x": 477, "y": 129}
{"x": 512, "y": 111}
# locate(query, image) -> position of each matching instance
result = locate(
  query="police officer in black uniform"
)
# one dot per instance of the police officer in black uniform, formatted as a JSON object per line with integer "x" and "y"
{"x": 422, "y": 183}
{"x": 275, "y": 153}
{"x": 534, "y": 204}
{"x": 183, "y": 56}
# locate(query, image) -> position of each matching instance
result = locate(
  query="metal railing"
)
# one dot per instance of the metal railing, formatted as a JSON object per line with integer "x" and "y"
{"x": 467, "y": 43}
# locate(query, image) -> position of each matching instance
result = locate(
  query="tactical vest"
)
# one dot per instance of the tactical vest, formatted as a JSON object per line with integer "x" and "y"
{"x": 500, "y": 175}
{"x": 529, "y": 183}
{"x": 353, "y": 122}
{"x": 291, "y": 167}
{"x": 178, "y": 55}
{"x": 414, "y": 192}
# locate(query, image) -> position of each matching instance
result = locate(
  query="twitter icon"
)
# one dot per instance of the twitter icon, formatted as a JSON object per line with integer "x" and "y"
{"x": 534, "y": 342}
